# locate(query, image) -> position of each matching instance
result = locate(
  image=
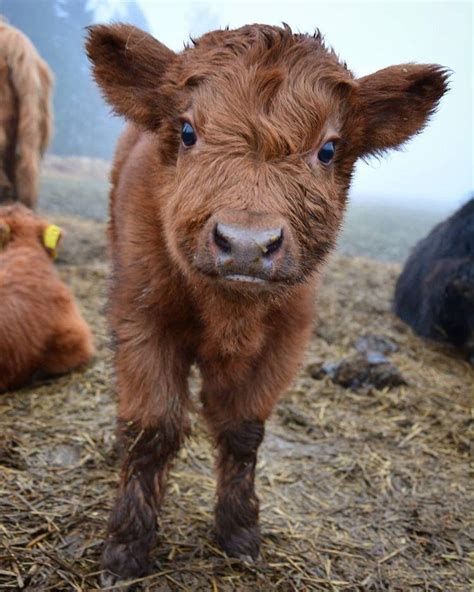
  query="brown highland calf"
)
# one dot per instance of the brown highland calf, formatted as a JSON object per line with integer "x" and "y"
{"x": 229, "y": 189}
{"x": 26, "y": 120}
{"x": 41, "y": 329}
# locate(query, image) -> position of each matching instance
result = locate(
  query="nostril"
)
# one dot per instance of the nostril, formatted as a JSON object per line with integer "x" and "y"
{"x": 274, "y": 244}
{"x": 221, "y": 241}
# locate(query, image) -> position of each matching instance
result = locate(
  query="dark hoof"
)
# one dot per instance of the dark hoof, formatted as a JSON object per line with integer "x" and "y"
{"x": 243, "y": 544}
{"x": 125, "y": 561}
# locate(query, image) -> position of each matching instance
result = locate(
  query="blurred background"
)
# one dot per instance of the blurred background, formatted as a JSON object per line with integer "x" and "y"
{"x": 394, "y": 200}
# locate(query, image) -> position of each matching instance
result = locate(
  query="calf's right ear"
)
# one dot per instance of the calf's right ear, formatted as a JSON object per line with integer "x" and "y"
{"x": 396, "y": 103}
{"x": 129, "y": 64}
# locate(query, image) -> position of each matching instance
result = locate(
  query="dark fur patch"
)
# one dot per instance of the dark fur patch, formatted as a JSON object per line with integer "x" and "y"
{"x": 237, "y": 507}
{"x": 131, "y": 532}
{"x": 242, "y": 442}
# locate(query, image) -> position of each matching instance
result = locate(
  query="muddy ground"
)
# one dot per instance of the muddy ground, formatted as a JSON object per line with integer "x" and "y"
{"x": 366, "y": 490}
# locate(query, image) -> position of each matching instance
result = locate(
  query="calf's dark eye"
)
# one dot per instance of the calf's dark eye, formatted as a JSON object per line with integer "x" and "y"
{"x": 188, "y": 135}
{"x": 326, "y": 154}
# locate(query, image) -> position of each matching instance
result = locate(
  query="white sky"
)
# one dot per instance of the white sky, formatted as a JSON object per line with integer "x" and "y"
{"x": 436, "y": 166}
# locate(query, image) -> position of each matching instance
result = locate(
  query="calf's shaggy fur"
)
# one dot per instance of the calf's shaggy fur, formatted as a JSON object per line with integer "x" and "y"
{"x": 26, "y": 119}
{"x": 41, "y": 328}
{"x": 227, "y": 196}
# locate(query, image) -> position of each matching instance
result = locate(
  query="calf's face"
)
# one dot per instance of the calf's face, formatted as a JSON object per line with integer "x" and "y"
{"x": 258, "y": 131}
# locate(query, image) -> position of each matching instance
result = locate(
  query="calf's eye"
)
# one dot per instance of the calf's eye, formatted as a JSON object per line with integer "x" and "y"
{"x": 326, "y": 154}
{"x": 188, "y": 135}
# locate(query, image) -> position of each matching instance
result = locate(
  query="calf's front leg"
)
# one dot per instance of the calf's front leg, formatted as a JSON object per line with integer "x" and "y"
{"x": 238, "y": 394}
{"x": 131, "y": 531}
{"x": 237, "y": 507}
{"x": 152, "y": 425}
{"x": 236, "y": 417}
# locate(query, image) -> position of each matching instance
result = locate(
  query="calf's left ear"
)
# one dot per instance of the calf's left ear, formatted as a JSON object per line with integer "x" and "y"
{"x": 395, "y": 103}
{"x": 129, "y": 65}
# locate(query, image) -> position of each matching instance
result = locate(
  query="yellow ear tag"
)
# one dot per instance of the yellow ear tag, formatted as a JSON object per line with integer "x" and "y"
{"x": 51, "y": 236}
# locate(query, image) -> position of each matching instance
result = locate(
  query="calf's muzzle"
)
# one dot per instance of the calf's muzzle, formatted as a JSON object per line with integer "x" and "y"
{"x": 247, "y": 247}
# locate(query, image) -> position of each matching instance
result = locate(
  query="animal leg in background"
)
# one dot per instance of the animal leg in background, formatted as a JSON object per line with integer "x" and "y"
{"x": 7, "y": 133}
{"x": 27, "y": 176}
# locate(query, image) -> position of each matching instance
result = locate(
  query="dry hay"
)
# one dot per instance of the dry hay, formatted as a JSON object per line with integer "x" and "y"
{"x": 359, "y": 491}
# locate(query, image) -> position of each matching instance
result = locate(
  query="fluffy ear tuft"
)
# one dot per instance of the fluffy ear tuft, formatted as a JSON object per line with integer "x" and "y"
{"x": 396, "y": 103}
{"x": 129, "y": 66}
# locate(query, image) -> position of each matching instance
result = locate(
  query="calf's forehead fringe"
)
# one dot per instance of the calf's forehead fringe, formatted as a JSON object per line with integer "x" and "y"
{"x": 258, "y": 74}
{"x": 261, "y": 47}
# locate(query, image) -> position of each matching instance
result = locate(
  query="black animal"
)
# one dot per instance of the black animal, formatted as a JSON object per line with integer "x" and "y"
{"x": 435, "y": 292}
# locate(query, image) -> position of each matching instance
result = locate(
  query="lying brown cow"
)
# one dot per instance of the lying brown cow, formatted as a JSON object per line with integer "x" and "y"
{"x": 41, "y": 329}
{"x": 228, "y": 192}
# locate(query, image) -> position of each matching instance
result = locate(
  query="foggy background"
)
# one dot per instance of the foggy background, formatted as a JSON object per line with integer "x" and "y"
{"x": 434, "y": 170}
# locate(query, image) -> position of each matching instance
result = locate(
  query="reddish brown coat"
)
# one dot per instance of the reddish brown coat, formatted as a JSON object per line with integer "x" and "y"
{"x": 41, "y": 328}
{"x": 263, "y": 102}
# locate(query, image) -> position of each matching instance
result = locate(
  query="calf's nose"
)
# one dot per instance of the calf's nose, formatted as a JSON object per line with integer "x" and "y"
{"x": 247, "y": 246}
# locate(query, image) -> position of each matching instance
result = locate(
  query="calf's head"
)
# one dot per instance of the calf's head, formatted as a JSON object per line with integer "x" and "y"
{"x": 257, "y": 130}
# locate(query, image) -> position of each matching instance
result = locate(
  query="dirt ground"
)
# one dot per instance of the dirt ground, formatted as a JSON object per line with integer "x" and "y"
{"x": 366, "y": 490}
